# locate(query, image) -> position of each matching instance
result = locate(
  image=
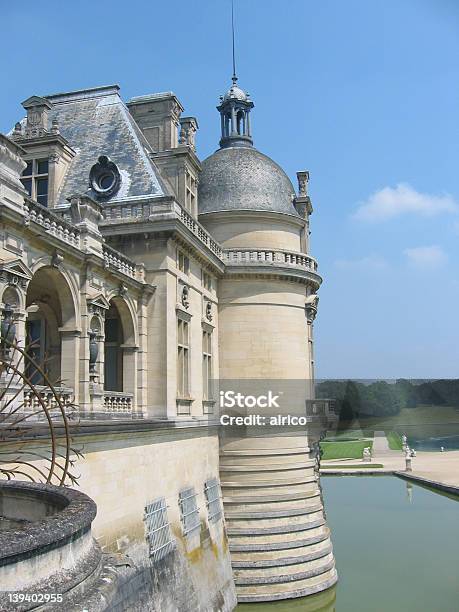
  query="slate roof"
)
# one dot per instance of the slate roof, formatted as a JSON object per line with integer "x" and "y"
{"x": 96, "y": 122}
{"x": 242, "y": 178}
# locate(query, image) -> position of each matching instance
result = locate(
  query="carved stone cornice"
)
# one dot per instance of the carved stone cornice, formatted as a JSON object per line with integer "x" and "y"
{"x": 15, "y": 273}
{"x": 98, "y": 306}
{"x": 11, "y": 162}
{"x": 310, "y": 305}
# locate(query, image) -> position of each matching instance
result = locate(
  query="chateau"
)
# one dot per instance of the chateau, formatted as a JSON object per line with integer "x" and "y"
{"x": 145, "y": 279}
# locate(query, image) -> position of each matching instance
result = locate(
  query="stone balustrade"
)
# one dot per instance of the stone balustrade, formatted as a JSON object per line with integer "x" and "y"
{"x": 52, "y": 223}
{"x": 33, "y": 404}
{"x": 128, "y": 210}
{"x": 198, "y": 230}
{"x": 269, "y": 257}
{"x": 115, "y": 260}
{"x": 160, "y": 210}
{"x": 117, "y": 402}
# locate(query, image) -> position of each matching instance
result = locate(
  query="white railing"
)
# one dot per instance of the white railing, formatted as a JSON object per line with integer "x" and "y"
{"x": 117, "y": 402}
{"x": 32, "y": 402}
{"x": 270, "y": 257}
{"x": 52, "y": 223}
{"x": 200, "y": 232}
{"x": 116, "y": 260}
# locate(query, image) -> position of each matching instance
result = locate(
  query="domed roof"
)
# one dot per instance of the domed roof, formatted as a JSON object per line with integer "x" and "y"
{"x": 235, "y": 93}
{"x": 242, "y": 178}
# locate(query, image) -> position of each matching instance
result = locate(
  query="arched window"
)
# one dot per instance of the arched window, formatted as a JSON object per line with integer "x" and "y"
{"x": 113, "y": 358}
{"x": 240, "y": 123}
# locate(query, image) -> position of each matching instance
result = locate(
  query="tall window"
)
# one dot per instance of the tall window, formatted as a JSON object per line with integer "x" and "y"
{"x": 35, "y": 180}
{"x": 113, "y": 360}
{"x": 183, "y": 358}
{"x": 206, "y": 280}
{"x": 207, "y": 391}
{"x": 36, "y": 348}
{"x": 183, "y": 262}
{"x": 190, "y": 196}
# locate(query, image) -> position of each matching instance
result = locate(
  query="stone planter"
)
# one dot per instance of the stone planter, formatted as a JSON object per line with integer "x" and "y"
{"x": 48, "y": 557}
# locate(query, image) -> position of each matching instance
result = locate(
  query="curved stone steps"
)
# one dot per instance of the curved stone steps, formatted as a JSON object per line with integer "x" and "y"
{"x": 268, "y": 499}
{"x": 270, "y": 467}
{"x": 274, "y": 530}
{"x": 275, "y": 558}
{"x": 245, "y": 545}
{"x": 297, "y": 450}
{"x": 267, "y": 460}
{"x": 289, "y": 573}
{"x": 266, "y": 512}
{"x": 299, "y": 588}
{"x": 271, "y": 525}
{"x": 247, "y": 482}
{"x": 262, "y": 443}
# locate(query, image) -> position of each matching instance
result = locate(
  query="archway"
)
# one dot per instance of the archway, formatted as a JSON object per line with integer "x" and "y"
{"x": 113, "y": 350}
{"x": 120, "y": 357}
{"x": 50, "y": 316}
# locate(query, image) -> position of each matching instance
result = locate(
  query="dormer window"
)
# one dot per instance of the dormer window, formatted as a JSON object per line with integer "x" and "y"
{"x": 35, "y": 180}
{"x": 104, "y": 177}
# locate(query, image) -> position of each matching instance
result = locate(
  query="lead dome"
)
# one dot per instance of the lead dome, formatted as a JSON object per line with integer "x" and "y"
{"x": 242, "y": 178}
{"x": 238, "y": 176}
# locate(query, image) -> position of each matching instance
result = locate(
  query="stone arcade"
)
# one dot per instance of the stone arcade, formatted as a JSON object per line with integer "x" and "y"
{"x": 143, "y": 275}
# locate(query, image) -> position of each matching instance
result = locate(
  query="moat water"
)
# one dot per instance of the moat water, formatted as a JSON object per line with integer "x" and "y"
{"x": 396, "y": 546}
{"x": 434, "y": 443}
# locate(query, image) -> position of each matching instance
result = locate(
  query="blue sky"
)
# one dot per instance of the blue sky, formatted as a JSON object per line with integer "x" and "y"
{"x": 362, "y": 94}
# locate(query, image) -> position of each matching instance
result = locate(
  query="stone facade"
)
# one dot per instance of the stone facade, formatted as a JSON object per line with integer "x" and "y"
{"x": 143, "y": 279}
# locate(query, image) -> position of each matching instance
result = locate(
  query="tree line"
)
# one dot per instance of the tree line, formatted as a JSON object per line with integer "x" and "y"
{"x": 381, "y": 398}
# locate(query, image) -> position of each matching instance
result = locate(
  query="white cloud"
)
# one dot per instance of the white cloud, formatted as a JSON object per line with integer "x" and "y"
{"x": 426, "y": 257}
{"x": 370, "y": 262}
{"x": 391, "y": 202}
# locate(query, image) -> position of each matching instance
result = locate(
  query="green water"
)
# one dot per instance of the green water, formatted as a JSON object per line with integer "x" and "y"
{"x": 396, "y": 547}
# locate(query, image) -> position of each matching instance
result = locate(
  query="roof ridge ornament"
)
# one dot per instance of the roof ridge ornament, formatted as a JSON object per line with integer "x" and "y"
{"x": 234, "y": 77}
{"x": 235, "y": 108}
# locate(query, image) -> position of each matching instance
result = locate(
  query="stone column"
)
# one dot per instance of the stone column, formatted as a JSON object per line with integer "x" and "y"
{"x": 12, "y": 192}
{"x": 70, "y": 347}
{"x": 233, "y": 121}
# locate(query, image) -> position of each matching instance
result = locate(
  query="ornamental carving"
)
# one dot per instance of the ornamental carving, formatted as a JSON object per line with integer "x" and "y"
{"x": 98, "y": 306}
{"x": 209, "y": 315}
{"x": 104, "y": 177}
{"x": 57, "y": 258}
{"x": 185, "y": 297}
{"x": 15, "y": 273}
{"x": 311, "y": 307}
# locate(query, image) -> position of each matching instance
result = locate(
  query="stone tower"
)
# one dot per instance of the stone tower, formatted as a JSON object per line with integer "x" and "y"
{"x": 279, "y": 541}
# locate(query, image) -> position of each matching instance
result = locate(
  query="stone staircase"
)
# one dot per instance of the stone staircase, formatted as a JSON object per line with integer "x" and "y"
{"x": 279, "y": 541}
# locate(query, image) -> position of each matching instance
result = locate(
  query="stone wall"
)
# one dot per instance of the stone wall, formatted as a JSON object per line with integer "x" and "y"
{"x": 123, "y": 473}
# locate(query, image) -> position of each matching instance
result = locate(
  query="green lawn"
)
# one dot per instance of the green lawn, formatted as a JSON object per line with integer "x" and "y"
{"x": 419, "y": 416}
{"x": 344, "y": 450}
{"x": 394, "y": 439}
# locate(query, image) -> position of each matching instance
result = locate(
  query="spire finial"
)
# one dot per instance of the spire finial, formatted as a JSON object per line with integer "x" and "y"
{"x": 234, "y": 77}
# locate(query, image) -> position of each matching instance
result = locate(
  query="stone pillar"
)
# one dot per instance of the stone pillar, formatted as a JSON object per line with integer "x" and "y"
{"x": 12, "y": 192}
{"x": 70, "y": 347}
{"x": 233, "y": 121}
{"x": 86, "y": 214}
